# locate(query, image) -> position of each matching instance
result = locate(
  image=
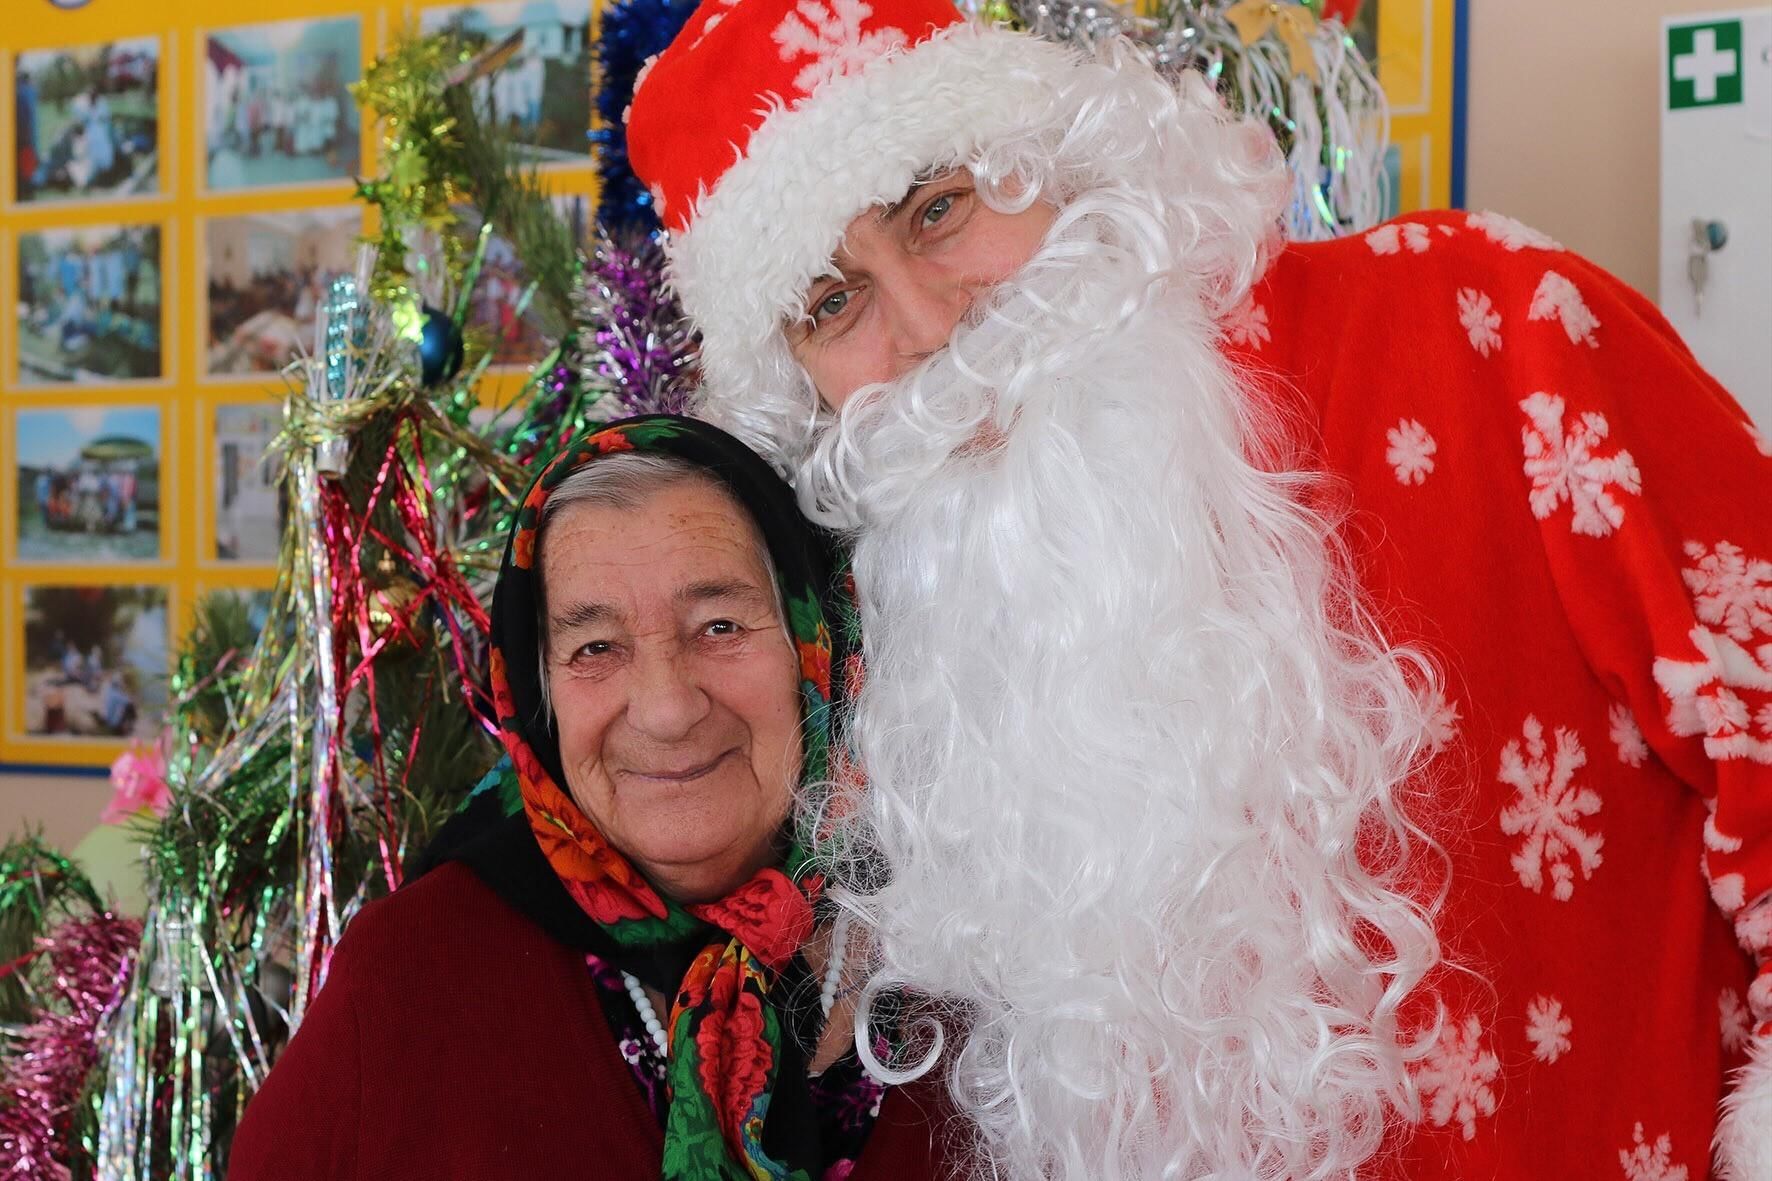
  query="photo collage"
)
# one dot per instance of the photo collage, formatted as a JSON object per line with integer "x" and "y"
{"x": 164, "y": 278}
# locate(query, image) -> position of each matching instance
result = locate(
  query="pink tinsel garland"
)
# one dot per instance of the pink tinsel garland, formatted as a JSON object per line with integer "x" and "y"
{"x": 44, "y": 1069}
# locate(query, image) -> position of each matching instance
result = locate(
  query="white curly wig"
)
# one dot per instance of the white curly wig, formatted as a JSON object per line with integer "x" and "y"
{"x": 1004, "y": 104}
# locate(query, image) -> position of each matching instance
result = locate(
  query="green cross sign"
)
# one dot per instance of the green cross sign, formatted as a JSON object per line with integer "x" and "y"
{"x": 1704, "y": 65}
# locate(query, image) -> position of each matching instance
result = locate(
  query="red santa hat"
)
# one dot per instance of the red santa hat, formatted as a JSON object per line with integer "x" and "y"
{"x": 768, "y": 125}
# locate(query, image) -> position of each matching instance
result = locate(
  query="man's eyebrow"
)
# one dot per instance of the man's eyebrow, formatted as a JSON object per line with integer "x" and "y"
{"x": 897, "y": 207}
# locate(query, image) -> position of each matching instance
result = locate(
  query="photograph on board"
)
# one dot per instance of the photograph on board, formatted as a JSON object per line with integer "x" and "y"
{"x": 249, "y": 500}
{"x": 86, "y": 121}
{"x": 88, "y": 484}
{"x": 268, "y": 273}
{"x": 498, "y": 293}
{"x": 89, "y": 305}
{"x": 541, "y": 96}
{"x": 95, "y": 661}
{"x": 277, "y": 104}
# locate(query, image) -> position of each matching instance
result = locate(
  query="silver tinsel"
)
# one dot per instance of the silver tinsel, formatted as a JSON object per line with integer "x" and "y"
{"x": 1335, "y": 132}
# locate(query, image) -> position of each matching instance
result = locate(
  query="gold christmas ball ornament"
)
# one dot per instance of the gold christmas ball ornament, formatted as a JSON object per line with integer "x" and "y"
{"x": 392, "y": 598}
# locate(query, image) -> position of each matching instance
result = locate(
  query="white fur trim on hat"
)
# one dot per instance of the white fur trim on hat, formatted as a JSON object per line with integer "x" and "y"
{"x": 1744, "y": 1137}
{"x": 772, "y": 223}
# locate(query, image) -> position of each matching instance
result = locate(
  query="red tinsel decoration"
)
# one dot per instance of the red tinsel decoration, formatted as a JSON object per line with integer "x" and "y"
{"x": 440, "y": 591}
{"x": 44, "y": 1069}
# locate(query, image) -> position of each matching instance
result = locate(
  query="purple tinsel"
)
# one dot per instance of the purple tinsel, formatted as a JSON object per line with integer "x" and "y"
{"x": 633, "y": 338}
{"x": 45, "y": 1067}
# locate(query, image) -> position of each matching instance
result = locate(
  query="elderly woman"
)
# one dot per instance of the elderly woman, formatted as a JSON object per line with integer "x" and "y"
{"x": 615, "y": 962}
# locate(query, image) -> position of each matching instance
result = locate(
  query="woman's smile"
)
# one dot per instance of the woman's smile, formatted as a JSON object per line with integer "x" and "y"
{"x": 679, "y": 773}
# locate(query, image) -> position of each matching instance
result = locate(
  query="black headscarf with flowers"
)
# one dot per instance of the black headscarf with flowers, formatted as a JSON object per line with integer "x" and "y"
{"x": 744, "y": 1010}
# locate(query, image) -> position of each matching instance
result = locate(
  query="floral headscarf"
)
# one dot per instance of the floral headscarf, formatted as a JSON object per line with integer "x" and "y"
{"x": 744, "y": 1007}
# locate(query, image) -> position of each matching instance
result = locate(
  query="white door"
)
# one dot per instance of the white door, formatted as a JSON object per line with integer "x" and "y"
{"x": 1716, "y": 167}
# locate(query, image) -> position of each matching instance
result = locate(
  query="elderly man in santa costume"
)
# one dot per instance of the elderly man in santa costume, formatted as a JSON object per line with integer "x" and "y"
{"x": 1317, "y": 714}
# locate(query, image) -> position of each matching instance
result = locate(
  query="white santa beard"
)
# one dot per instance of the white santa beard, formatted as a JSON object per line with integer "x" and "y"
{"x": 1124, "y": 730}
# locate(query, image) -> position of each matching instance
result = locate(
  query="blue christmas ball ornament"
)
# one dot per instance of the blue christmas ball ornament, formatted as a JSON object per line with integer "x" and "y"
{"x": 439, "y": 348}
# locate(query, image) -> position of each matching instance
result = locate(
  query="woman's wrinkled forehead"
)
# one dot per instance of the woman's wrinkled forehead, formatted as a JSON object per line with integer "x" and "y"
{"x": 630, "y": 482}
{"x": 667, "y": 548}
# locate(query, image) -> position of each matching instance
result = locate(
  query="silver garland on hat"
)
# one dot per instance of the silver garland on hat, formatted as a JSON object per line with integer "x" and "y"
{"x": 1334, "y": 129}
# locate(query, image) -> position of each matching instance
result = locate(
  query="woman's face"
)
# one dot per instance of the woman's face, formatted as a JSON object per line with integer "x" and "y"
{"x": 675, "y": 690}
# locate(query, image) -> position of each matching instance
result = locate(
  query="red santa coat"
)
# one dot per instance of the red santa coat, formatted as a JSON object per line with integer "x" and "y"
{"x": 1553, "y": 499}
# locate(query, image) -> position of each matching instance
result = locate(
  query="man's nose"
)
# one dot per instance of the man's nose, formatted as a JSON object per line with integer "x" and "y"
{"x": 925, "y": 308}
{"x": 665, "y": 699}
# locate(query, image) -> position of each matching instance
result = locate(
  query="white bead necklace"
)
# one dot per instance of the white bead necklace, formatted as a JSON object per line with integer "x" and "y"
{"x": 827, "y": 993}
{"x": 833, "y": 965}
{"x": 648, "y": 1015}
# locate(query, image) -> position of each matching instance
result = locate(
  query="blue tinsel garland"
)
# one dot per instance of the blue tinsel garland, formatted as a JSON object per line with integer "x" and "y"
{"x": 633, "y": 30}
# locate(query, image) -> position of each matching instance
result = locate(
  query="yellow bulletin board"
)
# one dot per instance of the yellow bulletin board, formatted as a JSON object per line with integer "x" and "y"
{"x": 1420, "y": 56}
{"x": 175, "y": 185}
{"x": 156, "y": 248}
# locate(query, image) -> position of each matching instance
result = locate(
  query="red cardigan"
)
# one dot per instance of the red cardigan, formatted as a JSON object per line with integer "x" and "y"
{"x": 455, "y": 1039}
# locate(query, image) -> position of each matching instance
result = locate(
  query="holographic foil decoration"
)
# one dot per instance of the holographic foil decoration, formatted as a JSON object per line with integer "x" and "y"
{"x": 334, "y": 333}
{"x": 633, "y": 341}
{"x": 47, "y": 1062}
{"x": 1334, "y": 133}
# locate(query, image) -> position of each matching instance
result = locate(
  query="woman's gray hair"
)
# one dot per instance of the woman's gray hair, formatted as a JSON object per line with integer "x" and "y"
{"x": 621, "y": 481}
{"x": 624, "y": 481}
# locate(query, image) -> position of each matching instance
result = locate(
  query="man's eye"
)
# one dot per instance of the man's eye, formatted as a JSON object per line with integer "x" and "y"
{"x": 937, "y": 209}
{"x": 830, "y": 307}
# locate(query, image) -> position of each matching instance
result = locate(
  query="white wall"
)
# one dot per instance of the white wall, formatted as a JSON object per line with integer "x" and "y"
{"x": 1564, "y": 122}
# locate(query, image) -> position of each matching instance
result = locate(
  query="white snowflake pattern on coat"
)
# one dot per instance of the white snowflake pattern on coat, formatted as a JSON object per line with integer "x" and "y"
{"x": 1247, "y": 325}
{"x": 1729, "y": 892}
{"x": 1568, "y": 467}
{"x": 1511, "y": 235}
{"x": 1650, "y": 1162}
{"x": 1480, "y": 320}
{"x": 1753, "y": 927}
{"x": 1411, "y": 451}
{"x": 1457, "y": 1075}
{"x": 830, "y": 33}
{"x": 1442, "y": 721}
{"x": 1559, "y": 299}
{"x": 1703, "y": 697}
{"x": 1549, "y": 810}
{"x": 1729, "y": 589}
{"x": 1715, "y": 839}
{"x": 1547, "y": 1028}
{"x": 1394, "y": 237}
{"x": 1725, "y": 695}
{"x": 1736, "y": 1025}
{"x": 1626, "y": 735}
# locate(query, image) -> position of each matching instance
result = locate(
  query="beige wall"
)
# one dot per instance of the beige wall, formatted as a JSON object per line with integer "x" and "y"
{"x": 1564, "y": 122}
{"x": 66, "y": 807}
